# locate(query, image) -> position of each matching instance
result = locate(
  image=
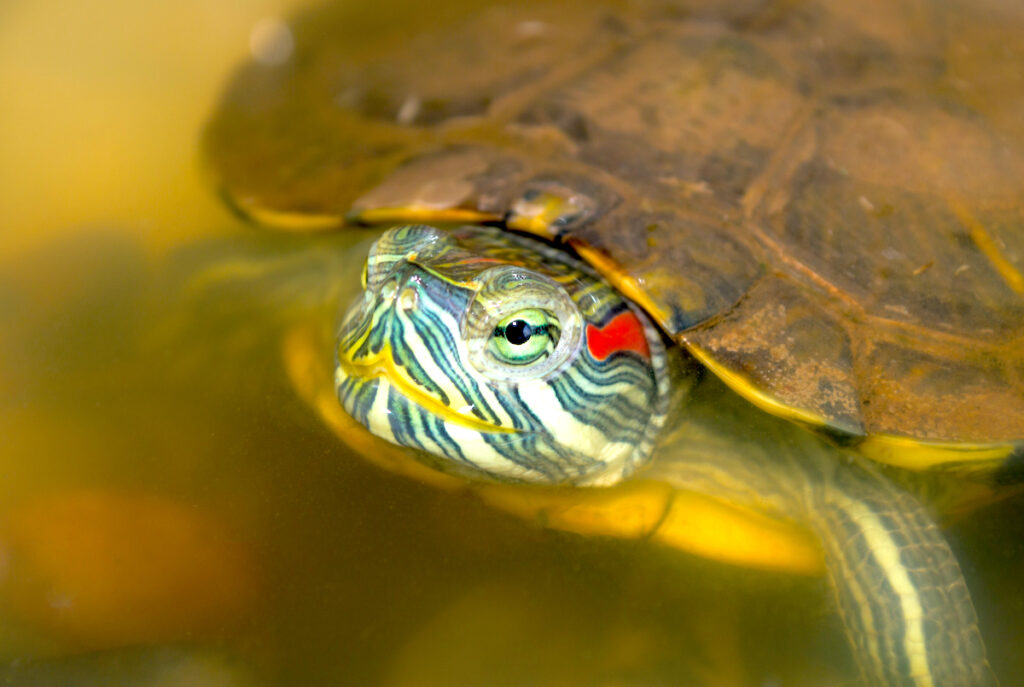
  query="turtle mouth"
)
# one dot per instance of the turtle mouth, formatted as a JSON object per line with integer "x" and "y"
{"x": 381, "y": 367}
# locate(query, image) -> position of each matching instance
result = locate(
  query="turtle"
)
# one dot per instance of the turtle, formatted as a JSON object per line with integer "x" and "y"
{"x": 745, "y": 278}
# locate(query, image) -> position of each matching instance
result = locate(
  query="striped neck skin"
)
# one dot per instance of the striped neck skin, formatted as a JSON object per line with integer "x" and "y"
{"x": 500, "y": 357}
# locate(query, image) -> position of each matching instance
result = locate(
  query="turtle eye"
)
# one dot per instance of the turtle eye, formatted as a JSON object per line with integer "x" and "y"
{"x": 524, "y": 337}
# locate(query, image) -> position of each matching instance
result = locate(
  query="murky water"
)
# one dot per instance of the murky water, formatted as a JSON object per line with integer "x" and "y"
{"x": 172, "y": 513}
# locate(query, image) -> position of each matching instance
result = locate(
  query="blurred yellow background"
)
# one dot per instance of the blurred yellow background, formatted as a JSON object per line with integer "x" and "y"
{"x": 102, "y": 104}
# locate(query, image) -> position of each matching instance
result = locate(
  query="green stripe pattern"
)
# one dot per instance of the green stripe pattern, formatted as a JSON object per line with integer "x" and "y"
{"x": 899, "y": 588}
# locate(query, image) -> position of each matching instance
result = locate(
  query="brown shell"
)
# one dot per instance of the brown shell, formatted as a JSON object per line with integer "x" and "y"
{"x": 823, "y": 200}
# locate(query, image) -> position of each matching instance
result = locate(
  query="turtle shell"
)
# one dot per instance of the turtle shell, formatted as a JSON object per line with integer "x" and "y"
{"x": 823, "y": 201}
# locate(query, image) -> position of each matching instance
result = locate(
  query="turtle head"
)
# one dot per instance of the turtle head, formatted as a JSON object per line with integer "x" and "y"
{"x": 498, "y": 356}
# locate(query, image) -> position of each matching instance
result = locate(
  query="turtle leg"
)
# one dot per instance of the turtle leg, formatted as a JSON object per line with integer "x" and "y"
{"x": 901, "y": 594}
{"x": 903, "y": 600}
{"x": 907, "y": 611}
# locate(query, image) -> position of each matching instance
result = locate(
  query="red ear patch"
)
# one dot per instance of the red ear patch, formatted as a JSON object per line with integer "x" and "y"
{"x": 624, "y": 333}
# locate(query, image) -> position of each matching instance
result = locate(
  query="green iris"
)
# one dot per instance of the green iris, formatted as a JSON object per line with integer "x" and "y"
{"x": 524, "y": 337}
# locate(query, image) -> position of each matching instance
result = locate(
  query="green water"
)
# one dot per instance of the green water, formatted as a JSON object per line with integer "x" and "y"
{"x": 141, "y": 404}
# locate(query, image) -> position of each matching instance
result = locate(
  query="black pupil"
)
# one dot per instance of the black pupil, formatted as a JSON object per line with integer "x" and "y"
{"x": 518, "y": 332}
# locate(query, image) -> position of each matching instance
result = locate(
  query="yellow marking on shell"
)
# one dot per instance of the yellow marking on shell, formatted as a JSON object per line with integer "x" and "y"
{"x": 627, "y": 285}
{"x": 532, "y": 225}
{"x": 914, "y": 454}
{"x": 886, "y": 553}
{"x": 382, "y": 365}
{"x": 537, "y": 216}
{"x": 289, "y": 221}
{"x": 745, "y": 388}
{"x": 421, "y": 215}
{"x": 987, "y": 245}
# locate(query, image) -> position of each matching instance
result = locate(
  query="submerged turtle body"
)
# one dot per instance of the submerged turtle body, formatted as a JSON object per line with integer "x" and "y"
{"x": 820, "y": 203}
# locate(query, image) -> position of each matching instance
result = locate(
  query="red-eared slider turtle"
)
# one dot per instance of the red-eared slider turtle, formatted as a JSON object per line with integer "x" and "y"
{"x": 820, "y": 203}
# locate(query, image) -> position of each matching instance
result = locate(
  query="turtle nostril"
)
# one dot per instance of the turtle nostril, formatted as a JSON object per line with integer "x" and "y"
{"x": 387, "y": 291}
{"x": 408, "y": 299}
